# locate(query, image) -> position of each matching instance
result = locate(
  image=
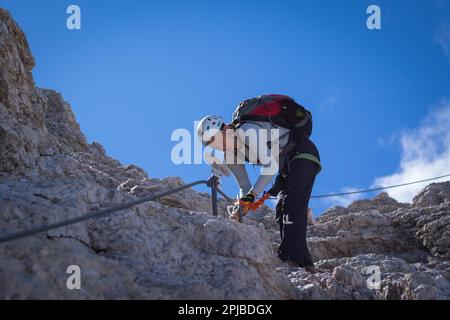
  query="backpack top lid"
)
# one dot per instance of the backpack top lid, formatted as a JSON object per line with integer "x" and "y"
{"x": 278, "y": 109}
{"x": 262, "y": 106}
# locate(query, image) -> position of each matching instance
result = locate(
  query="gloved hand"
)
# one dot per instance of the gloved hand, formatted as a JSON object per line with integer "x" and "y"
{"x": 249, "y": 203}
{"x": 248, "y": 198}
{"x": 279, "y": 185}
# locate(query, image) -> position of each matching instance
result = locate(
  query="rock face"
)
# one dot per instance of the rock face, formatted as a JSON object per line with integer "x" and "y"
{"x": 407, "y": 245}
{"x": 173, "y": 248}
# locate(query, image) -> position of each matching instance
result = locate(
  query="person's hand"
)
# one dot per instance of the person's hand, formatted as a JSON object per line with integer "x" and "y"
{"x": 279, "y": 185}
{"x": 248, "y": 198}
{"x": 249, "y": 202}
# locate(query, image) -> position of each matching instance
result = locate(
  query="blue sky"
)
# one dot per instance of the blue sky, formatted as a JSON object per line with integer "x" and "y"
{"x": 137, "y": 70}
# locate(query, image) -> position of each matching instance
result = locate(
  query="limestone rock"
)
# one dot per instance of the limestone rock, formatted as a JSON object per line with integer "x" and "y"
{"x": 173, "y": 248}
{"x": 170, "y": 248}
{"x": 434, "y": 194}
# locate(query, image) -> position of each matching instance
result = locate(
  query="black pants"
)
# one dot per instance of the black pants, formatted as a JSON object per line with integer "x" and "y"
{"x": 292, "y": 207}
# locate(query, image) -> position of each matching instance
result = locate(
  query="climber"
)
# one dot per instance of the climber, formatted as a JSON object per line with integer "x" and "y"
{"x": 295, "y": 155}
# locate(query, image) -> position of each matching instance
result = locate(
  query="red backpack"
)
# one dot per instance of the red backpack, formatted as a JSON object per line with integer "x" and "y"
{"x": 278, "y": 109}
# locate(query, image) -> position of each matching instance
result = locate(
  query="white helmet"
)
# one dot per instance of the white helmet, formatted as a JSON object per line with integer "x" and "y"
{"x": 208, "y": 127}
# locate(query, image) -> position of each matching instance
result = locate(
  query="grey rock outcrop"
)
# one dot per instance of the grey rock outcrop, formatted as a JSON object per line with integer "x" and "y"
{"x": 170, "y": 248}
{"x": 173, "y": 248}
{"x": 407, "y": 246}
{"x": 434, "y": 194}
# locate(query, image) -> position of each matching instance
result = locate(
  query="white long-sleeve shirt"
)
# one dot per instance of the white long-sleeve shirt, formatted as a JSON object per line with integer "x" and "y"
{"x": 255, "y": 152}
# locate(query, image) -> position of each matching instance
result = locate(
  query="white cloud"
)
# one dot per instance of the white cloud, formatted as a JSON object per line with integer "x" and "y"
{"x": 443, "y": 36}
{"x": 389, "y": 140}
{"x": 425, "y": 154}
{"x": 329, "y": 100}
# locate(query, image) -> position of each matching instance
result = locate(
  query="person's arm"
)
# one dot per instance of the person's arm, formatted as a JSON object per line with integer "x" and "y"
{"x": 270, "y": 163}
{"x": 261, "y": 183}
{"x": 240, "y": 174}
{"x": 267, "y": 173}
{"x": 269, "y": 170}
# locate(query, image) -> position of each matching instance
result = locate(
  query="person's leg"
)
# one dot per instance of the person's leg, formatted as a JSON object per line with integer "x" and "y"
{"x": 279, "y": 214}
{"x": 279, "y": 189}
{"x": 300, "y": 181}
